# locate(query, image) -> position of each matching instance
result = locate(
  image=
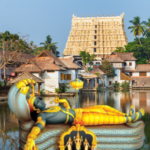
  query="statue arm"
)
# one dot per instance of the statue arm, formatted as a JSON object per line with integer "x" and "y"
{"x": 40, "y": 124}
{"x": 64, "y": 101}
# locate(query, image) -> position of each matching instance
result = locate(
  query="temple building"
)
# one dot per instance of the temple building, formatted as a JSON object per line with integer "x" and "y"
{"x": 96, "y": 35}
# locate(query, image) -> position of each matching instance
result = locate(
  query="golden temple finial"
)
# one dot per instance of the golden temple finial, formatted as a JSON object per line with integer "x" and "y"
{"x": 113, "y": 15}
{"x": 98, "y": 15}
{"x": 83, "y": 16}
{"x": 88, "y": 16}
{"x": 92, "y": 15}
{"x": 102, "y": 15}
{"x": 108, "y": 15}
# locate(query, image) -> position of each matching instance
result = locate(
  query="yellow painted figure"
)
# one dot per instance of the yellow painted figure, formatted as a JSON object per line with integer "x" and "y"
{"x": 78, "y": 141}
{"x": 30, "y": 108}
{"x": 69, "y": 144}
{"x": 86, "y": 144}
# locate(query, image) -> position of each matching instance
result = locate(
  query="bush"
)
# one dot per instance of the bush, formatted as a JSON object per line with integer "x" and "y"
{"x": 116, "y": 85}
{"x": 59, "y": 90}
{"x": 98, "y": 88}
{"x": 42, "y": 91}
{"x": 125, "y": 84}
{"x": 2, "y": 83}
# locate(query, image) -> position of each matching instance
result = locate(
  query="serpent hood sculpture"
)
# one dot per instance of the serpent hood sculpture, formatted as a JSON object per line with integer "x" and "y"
{"x": 28, "y": 108}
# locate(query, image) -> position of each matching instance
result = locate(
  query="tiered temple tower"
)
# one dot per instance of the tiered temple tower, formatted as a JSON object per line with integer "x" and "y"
{"x": 96, "y": 35}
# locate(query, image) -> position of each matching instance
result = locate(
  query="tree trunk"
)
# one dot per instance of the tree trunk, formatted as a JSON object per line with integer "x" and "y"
{"x": 139, "y": 40}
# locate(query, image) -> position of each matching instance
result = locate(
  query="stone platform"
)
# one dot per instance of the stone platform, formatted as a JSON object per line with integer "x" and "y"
{"x": 109, "y": 137}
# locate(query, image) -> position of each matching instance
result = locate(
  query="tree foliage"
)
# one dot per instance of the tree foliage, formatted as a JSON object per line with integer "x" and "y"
{"x": 147, "y": 30}
{"x": 107, "y": 68}
{"x": 141, "y": 53}
{"x": 15, "y": 45}
{"x": 140, "y": 46}
{"x": 137, "y": 27}
{"x": 14, "y": 41}
{"x": 86, "y": 57}
{"x": 49, "y": 46}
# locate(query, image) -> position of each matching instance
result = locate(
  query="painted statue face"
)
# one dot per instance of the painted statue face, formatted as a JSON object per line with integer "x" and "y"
{"x": 39, "y": 104}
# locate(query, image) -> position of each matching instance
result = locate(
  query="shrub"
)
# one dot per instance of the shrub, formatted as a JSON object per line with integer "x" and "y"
{"x": 116, "y": 85}
{"x": 2, "y": 83}
{"x": 125, "y": 84}
{"x": 42, "y": 91}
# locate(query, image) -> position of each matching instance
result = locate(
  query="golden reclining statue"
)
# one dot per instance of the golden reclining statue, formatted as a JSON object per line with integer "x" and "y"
{"x": 31, "y": 108}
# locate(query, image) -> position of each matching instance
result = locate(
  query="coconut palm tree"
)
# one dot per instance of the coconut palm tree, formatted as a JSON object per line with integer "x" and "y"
{"x": 137, "y": 27}
{"x": 48, "y": 45}
{"x": 147, "y": 30}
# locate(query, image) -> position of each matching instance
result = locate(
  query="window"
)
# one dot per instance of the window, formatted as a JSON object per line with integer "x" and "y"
{"x": 94, "y": 42}
{"x": 95, "y": 26}
{"x": 130, "y": 63}
{"x": 142, "y": 73}
{"x": 125, "y": 63}
{"x": 116, "y": 81}
{"x": 95, "y": 31}
{"x": 62, "y": 76}
{"x": 95, "y": 37}
{"x": 65, "y": 76}
{"x": 94, "y": 49}
{"x": 68, "y": 76}
{"x": 97, "y": 62}
{"x": 76, "y": 76}
{"x": 130, "y": 73}
{"x": 109, "y": 82}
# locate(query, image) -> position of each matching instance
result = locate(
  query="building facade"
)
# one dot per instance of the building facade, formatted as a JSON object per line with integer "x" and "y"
{"x": 51, "y": 70}
{"x": 96, "y": 35}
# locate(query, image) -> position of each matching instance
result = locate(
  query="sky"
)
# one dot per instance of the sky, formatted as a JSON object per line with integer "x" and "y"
{"x": 36, "y": 19}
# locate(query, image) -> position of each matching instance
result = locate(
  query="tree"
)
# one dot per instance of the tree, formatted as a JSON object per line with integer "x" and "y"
{"x": 137, "y": 27}
{"x": 107, "y": 68}
{"x": 147, "y": 30}
{"x": 101, "y": 77}
{"x": 120, "y": 50}
{"x": 15, "y": 45}
{"x": 87, "y": 58}
{"x": 49, "y": 46}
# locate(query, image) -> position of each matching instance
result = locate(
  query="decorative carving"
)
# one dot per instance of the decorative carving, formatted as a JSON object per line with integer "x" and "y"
{"x": 108, "y": 32}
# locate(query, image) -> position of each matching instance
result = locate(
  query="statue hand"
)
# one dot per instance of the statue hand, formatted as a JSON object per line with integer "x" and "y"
{"x": 30, "y": 145}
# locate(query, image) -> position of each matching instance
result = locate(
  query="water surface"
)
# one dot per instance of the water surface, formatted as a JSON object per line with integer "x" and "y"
{"x": 118, "y": 100}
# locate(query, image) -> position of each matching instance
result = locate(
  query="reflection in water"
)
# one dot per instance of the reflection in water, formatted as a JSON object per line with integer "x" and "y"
{"x": 118, "y": 100}
{"x": 8, "y": 123}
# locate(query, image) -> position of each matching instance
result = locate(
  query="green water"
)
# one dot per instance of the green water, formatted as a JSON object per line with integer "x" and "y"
{"x": 118, "y": 100}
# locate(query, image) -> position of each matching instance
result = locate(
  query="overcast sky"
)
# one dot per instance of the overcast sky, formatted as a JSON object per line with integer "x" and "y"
{"x": 38, "y": 18}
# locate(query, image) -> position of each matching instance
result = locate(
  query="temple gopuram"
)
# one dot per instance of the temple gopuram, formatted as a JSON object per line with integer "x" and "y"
{"x": 96, "y": 35}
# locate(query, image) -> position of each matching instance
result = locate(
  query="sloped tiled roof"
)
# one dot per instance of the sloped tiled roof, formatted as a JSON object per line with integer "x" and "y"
{"x": 47, "y": 61}
{"x": 26, "y": 75}
{"x": 29, "y": 66}
{"x": 68, "y": 61}
{"x": 142, "y": 68}
{"x": 97, "y": 70}
{"x": 126, "y": 56}
{"x": 114, "y": 58}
